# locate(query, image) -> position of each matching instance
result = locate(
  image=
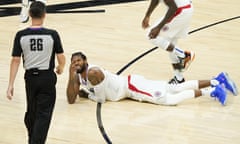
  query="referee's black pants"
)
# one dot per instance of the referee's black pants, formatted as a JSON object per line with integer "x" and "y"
{"x": 41, "y": 97}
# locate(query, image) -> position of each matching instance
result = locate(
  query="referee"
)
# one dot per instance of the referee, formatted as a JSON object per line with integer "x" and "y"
{"x": 37, "y": 46}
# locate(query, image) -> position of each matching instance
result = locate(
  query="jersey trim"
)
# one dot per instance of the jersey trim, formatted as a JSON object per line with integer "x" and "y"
{"x": 133, "y": 88}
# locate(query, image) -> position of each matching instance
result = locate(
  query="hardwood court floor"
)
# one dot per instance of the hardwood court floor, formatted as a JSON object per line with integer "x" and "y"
{"x": 112, "y": 39}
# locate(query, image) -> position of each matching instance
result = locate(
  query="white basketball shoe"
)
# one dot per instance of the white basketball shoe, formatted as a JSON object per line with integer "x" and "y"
{"x": 24, "y": 17}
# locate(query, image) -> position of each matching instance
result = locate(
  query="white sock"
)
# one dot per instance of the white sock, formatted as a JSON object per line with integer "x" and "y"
{"x": 214, "y": 82}
{"x": 207, "y": 91}
{"x": 179, "y": 52}
{"x": 178, "y": 75}
{"x": 173, "y": 57}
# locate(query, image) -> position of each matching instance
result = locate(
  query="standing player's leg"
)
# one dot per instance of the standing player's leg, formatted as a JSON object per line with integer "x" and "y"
{"x": 24, "y": 11}
{"x": 24, "y": 16}
{"x": 180, "y": 59}
{"x": 167, "y": 39}
{"x": 180, "y": 64}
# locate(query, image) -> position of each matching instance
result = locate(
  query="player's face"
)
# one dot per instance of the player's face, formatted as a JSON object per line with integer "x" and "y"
{"x": 79, "y": 64}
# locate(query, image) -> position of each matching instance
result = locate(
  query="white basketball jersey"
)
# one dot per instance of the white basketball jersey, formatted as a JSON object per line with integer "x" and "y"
{"x": 116, "y": 87}
{"x": 112, "y": 88}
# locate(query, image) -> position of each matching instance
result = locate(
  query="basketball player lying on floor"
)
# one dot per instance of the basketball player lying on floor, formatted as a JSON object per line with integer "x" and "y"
{"x": 101, "y": 85}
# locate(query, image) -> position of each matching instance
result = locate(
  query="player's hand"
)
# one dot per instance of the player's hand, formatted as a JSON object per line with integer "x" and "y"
{"x": 154, "y": 32}
{"x": 10, "y": 92}
{"x": 72, "y": 68}
{"x": 145, "y": 22}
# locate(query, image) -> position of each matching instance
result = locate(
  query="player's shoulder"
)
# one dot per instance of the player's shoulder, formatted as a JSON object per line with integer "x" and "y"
{"x": 93, "y": 67}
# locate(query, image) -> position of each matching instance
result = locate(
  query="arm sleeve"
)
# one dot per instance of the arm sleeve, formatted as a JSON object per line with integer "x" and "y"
{"x": 17, "y": 49}
{"x": 58, "y": 43}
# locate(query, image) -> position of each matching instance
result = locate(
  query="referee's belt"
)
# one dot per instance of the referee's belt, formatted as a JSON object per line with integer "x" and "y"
{"x": 36, "y": 71}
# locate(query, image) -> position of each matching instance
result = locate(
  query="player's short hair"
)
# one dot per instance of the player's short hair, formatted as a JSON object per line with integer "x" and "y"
{"x": 37, "y": 9}
{"x": 83, "y": 56}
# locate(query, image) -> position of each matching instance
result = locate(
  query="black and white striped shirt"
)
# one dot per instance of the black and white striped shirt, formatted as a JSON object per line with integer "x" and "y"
{"x": 38, "y": 47}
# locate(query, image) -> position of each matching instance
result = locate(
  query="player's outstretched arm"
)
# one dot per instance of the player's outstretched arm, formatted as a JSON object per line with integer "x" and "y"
{"x": 73, "y": 85}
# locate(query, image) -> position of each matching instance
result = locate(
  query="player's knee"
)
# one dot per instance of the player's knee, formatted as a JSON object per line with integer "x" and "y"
{"x": 160, "y": 42}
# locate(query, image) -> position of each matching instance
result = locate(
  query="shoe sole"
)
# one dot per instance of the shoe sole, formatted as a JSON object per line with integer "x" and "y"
{"x": 232, "y": 84}
{"x": 26, "y": 9}
{"x": 224, "y": 96}
{"x": 222, "y": 99}
{"x": 25, "y": 21}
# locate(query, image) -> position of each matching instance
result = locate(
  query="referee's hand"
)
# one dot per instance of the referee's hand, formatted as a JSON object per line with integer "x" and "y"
{"x": 10, "y": 92}
{"x": 59, "y": 69}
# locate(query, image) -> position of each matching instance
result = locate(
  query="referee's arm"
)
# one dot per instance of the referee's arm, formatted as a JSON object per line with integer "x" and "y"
{"x": 15, "y": 62}
{"x": 61, "y": 63}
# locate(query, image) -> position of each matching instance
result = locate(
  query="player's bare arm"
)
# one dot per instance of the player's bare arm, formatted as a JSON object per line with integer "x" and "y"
{"x": 73, "y": 84}
{"x": 152, "y": 6}
{"x": 95, "y": 75}
{"x": 172, "y": 8}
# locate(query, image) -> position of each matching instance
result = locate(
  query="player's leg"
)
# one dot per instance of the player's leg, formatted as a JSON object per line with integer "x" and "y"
{"x": 200, "y": 88}
{"x": 180, "y": 59}
{"x": 179, "y": 28}
{"x": 24, "y": 11}
{"x": 142, "y": 89}
{"x": 178, "y": 74}
{"x": 217, "y": 92}
{"x": 24, "y": 15}
{"x": 155, "y": 91}
{"x": 192, "y": 84}
{"x": 184, "y": 57}
{"x": 177, "y": 67}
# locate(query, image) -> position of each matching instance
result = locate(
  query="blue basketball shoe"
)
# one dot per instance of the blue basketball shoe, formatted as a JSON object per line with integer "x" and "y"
{"x": 230, "y": 85}
{"x": 220, "y": 94}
